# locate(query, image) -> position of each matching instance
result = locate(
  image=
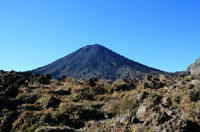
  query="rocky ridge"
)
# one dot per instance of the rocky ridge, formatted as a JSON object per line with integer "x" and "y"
{"x": 194, "y": 68}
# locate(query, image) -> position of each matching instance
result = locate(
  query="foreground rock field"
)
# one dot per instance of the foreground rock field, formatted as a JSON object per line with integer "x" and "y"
{"x": 33, "y": 103}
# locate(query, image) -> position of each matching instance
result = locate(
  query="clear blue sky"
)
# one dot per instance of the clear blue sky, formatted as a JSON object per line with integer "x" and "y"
{"x": 164, "y": 34}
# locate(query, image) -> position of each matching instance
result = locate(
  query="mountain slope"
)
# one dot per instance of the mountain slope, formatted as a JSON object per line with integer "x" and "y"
{"x": 95, "y": 61}
{"x": 194, "y": 68}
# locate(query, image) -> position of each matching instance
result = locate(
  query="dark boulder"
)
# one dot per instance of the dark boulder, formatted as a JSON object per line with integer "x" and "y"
{"x": 159, "y": 118}
{"x": 90, "y": 83}
{"x": 153, "y": 82}
{"x": 10, "y": 84}
{"x": 194, "y": 94}
{"x": 42, "y": 79}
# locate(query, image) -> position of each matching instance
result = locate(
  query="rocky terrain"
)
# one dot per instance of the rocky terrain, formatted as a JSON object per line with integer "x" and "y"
{"x": 95, "y": 61}
{"x": 33, "y": 103}
{"x": 194, "y": 68}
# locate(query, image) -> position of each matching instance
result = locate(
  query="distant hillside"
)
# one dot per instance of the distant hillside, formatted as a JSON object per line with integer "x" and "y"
{"x": 95, "y": 61}
{"x": 194, "y": 68}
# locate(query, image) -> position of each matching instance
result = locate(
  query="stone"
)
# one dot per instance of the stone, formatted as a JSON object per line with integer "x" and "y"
{"x": 159, "y": 118}
{"x": 194, "y": 68}
{"x": 195, "y": 82}
{"x": 166, "y": 101}
{"x": 49, "y": 101}
{"x": 142, "y": 96}
{"x": 141, "y": 112}
{"x": 44, "y": 79}
{"x": 134, "y": 120}
{"x": 156, "y": 99}
{"x": 179, "y": 125}
{"x": 194, "y": 94}
{"x": 162, "y": 78}
{"x": 10, "y": 84}
{"x": 90, "y": 83}
{"x": 153, "y": 82}
{"x": 124, "y": 119}
{"x": 54, "y": 129}
{"x": 52, "y": 102}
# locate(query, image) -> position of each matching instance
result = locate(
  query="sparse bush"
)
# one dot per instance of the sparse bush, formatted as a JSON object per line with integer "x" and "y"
{"x": 127, "y": 103}
{"x": 48, "y": 101}
{"x": 27, "y": 121}
{"x": 29, "y": 98}
{"x": 191, "y": 86}
{"x": 119, "y": 85}
{"x": 71, "y": 82}
{"x": 188, "y": 78}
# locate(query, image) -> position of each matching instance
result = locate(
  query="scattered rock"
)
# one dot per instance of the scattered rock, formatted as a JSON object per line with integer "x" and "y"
{"x": 166, "y": 101}
{"x": 177, "y": 124}
{"x": 122, "y": 120}
{"x": 156, "y": 99}
{"x": 49, "y": 101}
{"x": 159, "y": 118}
{"x": 32, "y": 103}
{"x": 90, "y": 83}
{"x": 141, "y": 113}
{"x": 135, "y": 120}
{"x": 43, "y": 79}
{"x": 194, "y": 68}
{"x": 153, "y": 82}
{"x": 120, "y": 85}
{"x": 142, "y": 96}
{"x": 54, "y": 129}
{"x": 194, "y": 94}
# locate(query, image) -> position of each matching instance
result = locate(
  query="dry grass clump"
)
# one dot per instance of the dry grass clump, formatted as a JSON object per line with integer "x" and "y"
{"x": 122, "y": 105}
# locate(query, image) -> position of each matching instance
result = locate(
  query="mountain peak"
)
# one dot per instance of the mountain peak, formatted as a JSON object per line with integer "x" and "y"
{"x": 95, "y": 61}
{"x": 95, "y": 46}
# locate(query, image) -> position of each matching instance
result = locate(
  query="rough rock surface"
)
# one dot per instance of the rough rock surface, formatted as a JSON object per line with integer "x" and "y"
{"x": 194, "y": 68}
{"x": 34, "y": 103}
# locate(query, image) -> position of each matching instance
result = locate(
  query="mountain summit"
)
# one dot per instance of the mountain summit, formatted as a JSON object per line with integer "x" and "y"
{"x": 95, "y": 61}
